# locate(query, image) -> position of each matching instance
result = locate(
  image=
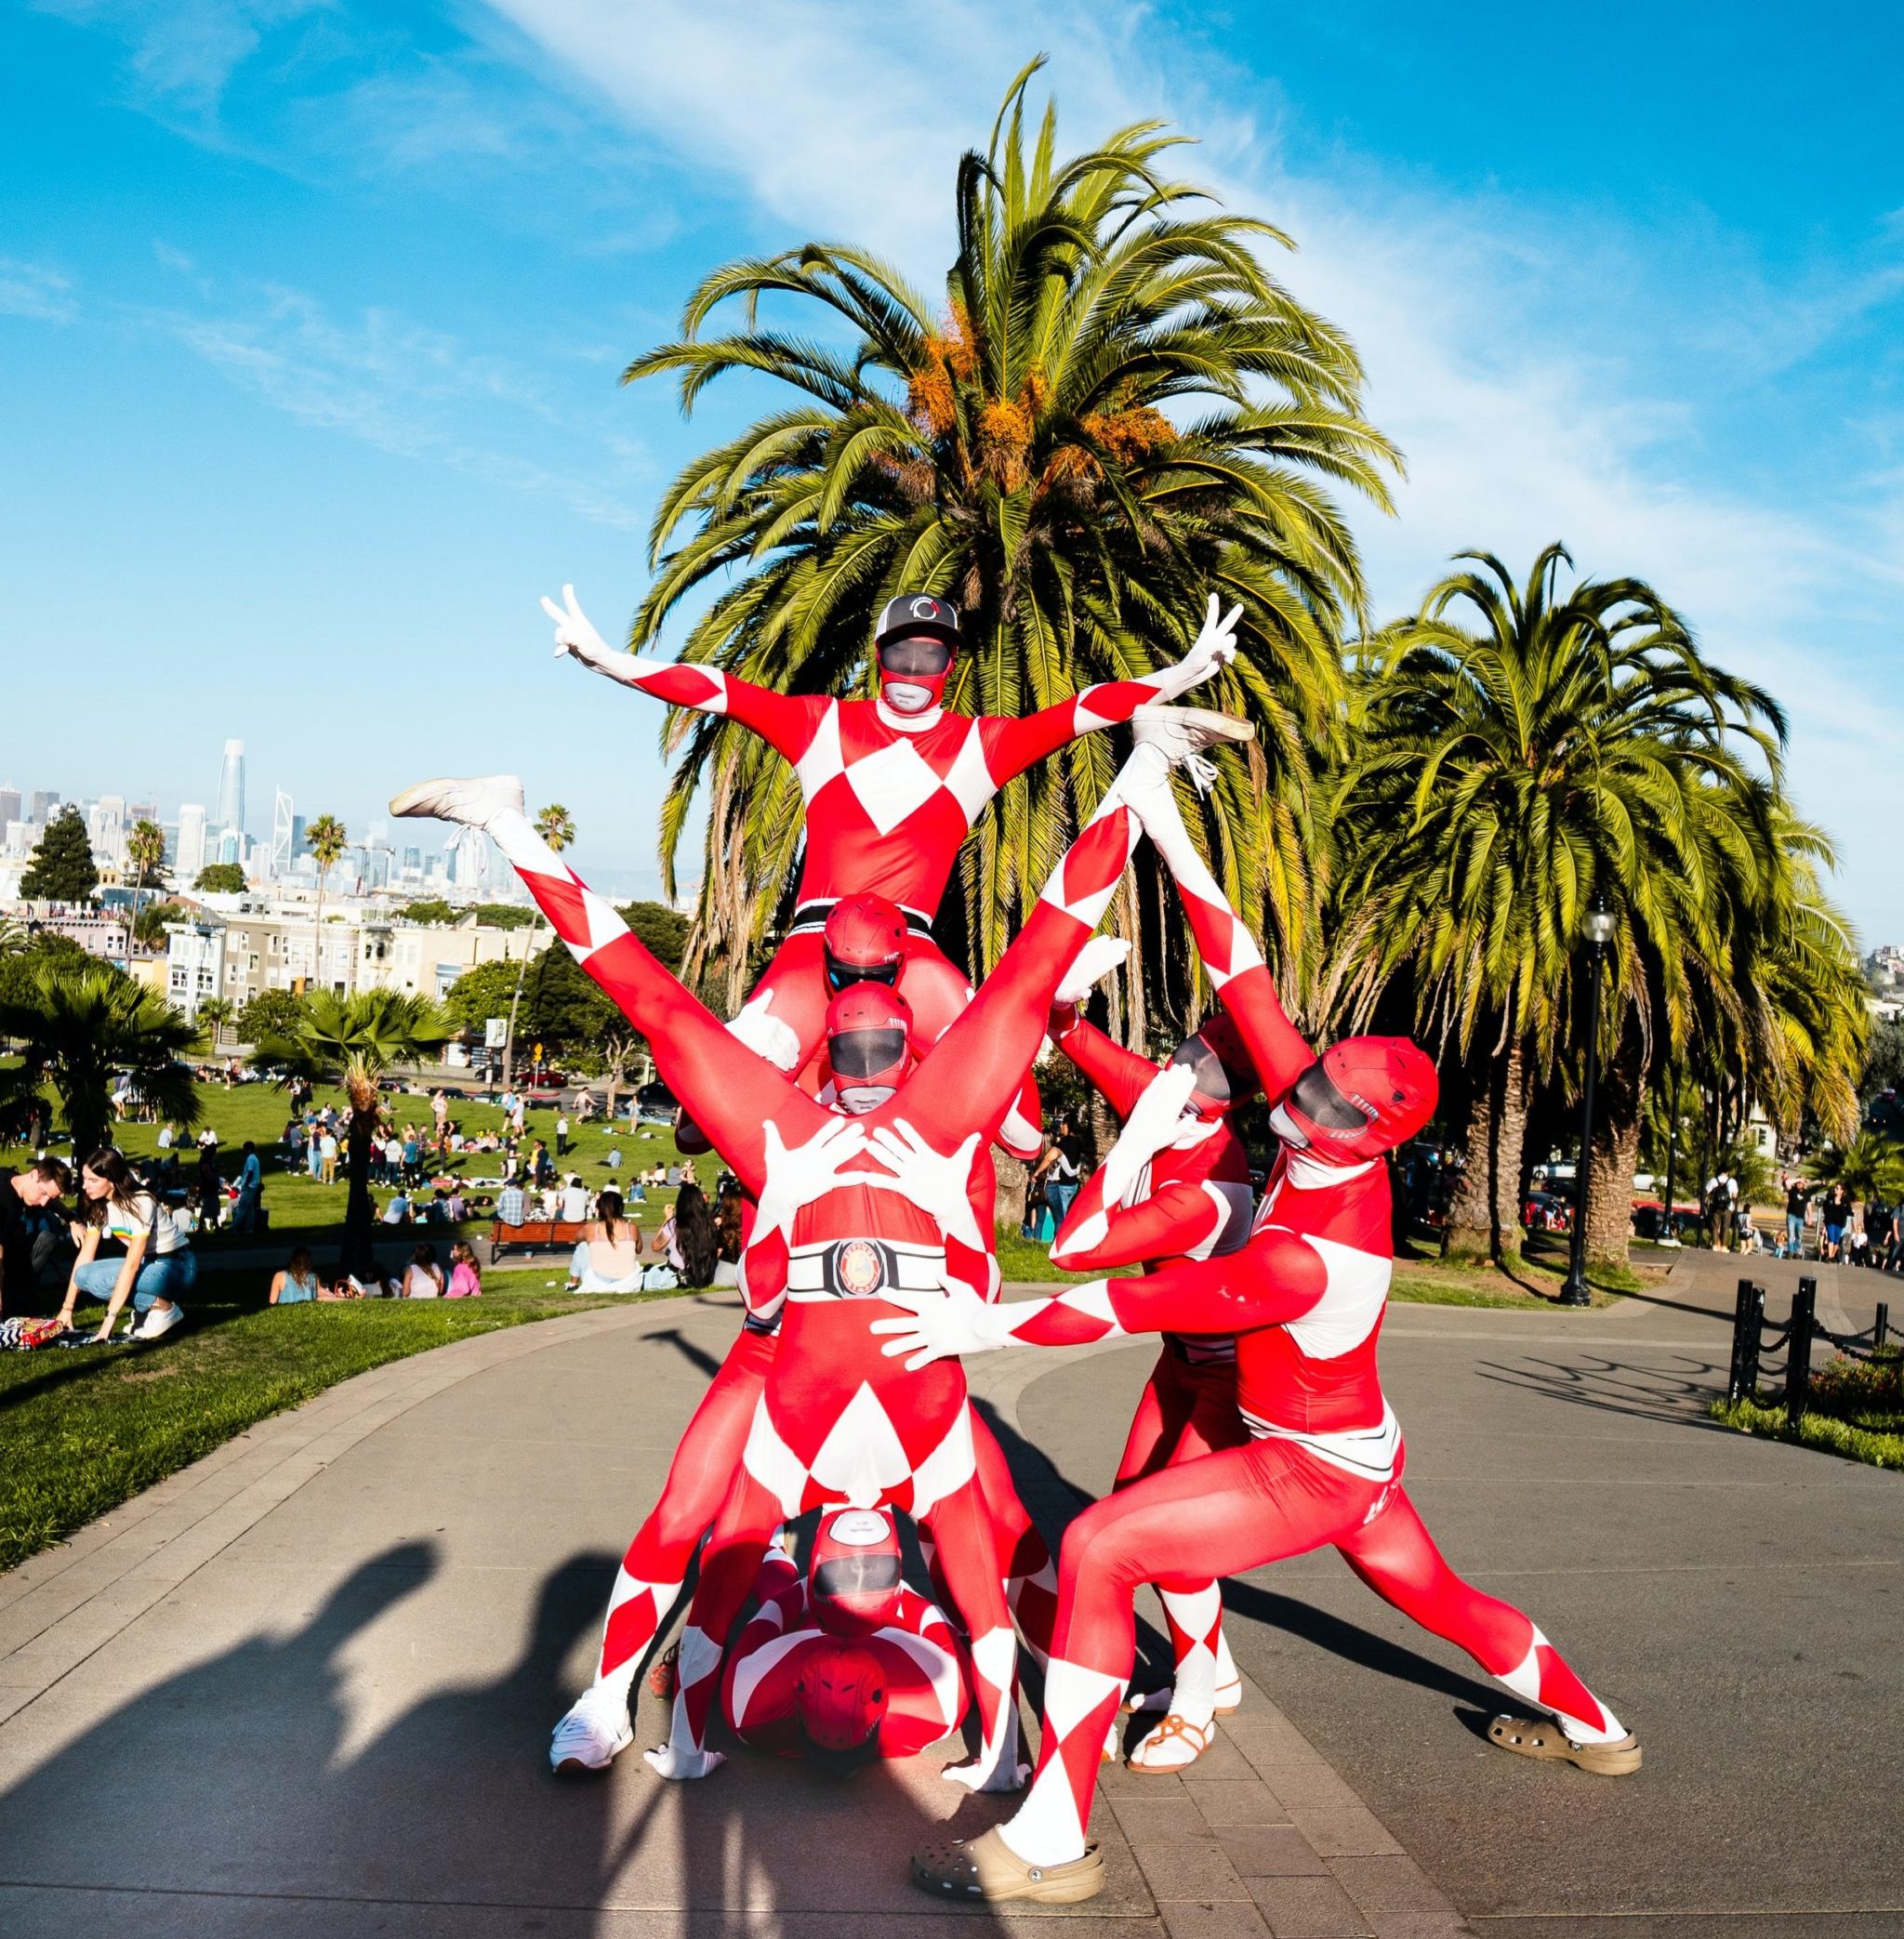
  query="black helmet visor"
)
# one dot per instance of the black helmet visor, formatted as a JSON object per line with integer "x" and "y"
{"x": 915, "y": 654}
{"x": 859, "y": 1054}
{"x": 1315, "y": 1096}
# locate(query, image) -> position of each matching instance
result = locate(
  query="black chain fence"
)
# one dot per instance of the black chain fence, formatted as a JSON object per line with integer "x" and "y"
{"x": 1753, "y": 1338}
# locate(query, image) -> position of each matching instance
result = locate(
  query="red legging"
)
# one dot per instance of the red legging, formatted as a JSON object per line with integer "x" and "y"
{"x": 658, "y": 1560}
{"x": 1222, "y": 1516}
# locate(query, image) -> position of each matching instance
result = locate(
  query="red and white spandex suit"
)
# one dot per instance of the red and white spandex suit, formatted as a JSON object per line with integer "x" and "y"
{"x": 849, "y": 1210}
{"x": 845, "y": 1661}
{"x": 891, "y": 787}
{"x": 1305, "y": 1300}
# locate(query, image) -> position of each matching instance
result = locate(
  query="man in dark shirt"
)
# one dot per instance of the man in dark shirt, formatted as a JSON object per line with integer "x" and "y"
{"x": 43, "y": 1183}
{"x": 1796, "y": 1194}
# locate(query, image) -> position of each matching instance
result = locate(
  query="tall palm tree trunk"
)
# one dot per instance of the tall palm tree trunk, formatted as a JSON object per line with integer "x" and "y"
{"x": 1615, "y": 1157}
{"x": 357, "y": 1254}
{"x": 1484, "y": 1217}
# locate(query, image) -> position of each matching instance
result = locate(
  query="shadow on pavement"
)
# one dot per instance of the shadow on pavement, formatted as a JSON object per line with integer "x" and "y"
{"x": 1658, "y": 1392}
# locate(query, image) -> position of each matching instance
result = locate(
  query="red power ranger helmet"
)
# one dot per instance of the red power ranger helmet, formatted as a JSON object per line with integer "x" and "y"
{"x": 1364, "y": 1096}
{"x": 841, "y": 1701}
{"x": 868, "y": 1036}
{"x": 853, "y": 1576}
{"x": 1225, "y": 1078}
{"x": 865, "y": 940}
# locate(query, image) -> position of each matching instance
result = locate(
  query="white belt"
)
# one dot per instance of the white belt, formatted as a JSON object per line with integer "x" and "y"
{"x": 1369, "y": 1453}
{"x": 862, "y": 1269}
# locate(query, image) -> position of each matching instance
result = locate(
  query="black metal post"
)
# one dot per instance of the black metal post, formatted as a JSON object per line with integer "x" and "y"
{"x": 1754, "y": 1341}
{"x": 1574, "y": 1292}
{"x": 1798, "y": 1352}
{"x": 1742, "y": 1316}
{"x": 1881, "y": 1329}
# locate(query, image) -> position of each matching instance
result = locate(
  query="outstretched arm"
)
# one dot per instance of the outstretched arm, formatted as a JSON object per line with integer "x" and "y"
{"x": 1169, "y": 1224}
{"x": 1013, "y": 746}
{"x": 1277, "y": 1277}
{"x": 785, "y": 721}
{"x": 1121, "y": 1074}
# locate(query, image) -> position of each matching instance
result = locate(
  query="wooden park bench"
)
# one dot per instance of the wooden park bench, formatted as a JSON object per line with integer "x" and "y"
{"x": 545, "y": 1235}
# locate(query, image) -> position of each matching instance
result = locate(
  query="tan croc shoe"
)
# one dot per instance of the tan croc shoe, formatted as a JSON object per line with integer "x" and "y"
{"x": 1173, "y": 1745}
{"x": 988, "y": 1868}
{"x": 1541, "y": 1737}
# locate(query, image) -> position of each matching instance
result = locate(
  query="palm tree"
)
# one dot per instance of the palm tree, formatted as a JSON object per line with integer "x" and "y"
{"x": 1113, "y": 408}
{"x": 353, "y": 1041}
{"x": 213, "y": 1013}
{"x": 557, "y": 827}
{"x": 1520, "y": 752}
{"x": 145, "y": 850}
{"x": 326, "y": 841}
{"x": 1870, "y": 1166}
{"x": 77, "y": 1029}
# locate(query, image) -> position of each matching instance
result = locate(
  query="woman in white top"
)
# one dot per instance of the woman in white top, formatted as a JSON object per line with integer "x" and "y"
{"x": 574, "y": 1200}
{"x": 609, "y": 1260}
{"x": 159, "y": 1263}
{"x": 423, "y": 1277}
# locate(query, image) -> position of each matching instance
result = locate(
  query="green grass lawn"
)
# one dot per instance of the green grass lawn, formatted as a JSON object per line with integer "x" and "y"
{"x": 1856, "y": 1411}
{"x": 87, "y": 1428}
{"x": 303, "y": 1210}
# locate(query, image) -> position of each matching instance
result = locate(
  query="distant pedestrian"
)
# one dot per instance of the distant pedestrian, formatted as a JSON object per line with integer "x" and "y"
{"x": 562, "y": 1135}
{"x": 250, "y": 1191}
{"x": 327, "y": 1172}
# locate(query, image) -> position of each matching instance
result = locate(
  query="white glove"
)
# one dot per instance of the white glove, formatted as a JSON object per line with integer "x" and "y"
{"x": 1153, "y": 1124}
{"x": 685, "y": 1763}
{"x": 809, "y": 1171}
{"x": 1095, "y": 961}
{"x": 574, "y": 633}
{"x": 935, "y": 1184}
{"x": 1212, "y": 650}
{"x": 943, "y": 1324}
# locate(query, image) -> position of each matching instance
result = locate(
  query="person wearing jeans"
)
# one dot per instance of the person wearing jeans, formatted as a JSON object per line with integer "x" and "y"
{"x": 159, "y": 1264}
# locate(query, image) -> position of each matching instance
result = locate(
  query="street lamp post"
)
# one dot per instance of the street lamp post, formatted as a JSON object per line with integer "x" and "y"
{"x": 1599, "y": 932}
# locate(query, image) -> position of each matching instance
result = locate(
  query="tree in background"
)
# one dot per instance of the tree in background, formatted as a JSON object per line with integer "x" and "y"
{"x": 79, "y": 1027}
{"x": 557, "y": 827}
{"x": 220, "y": 878}
{"x": 62, "y": 868}
{"x": 1883, "y": 1063}
{"x": 504, "y": 916}
{"x": 271, "y": 1013}
{"x": 145, "y": 855}
{"x": 353, "y": 1041}
{"x": 326, "y": 839}
{"x": 662, "y": 931}
{"x": 430, "y": 909}
{"x": 1112, "y": 409}
{"x": 215, "y": 1013}
{"x": 1520, "y": 750}
{"x": 149, "y": 926}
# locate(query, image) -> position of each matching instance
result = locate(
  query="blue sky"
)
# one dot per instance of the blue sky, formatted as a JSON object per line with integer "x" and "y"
{"x": 312, "y": 316}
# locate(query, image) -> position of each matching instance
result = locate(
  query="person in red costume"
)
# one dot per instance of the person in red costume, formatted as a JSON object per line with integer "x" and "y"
{"x": 1323, "y": 1467}
{"x": 1174, "y": 1187}
{"x": 845, "y": 1663}
{"x": 837, "y": 1420}
{"x": 891, "y": 787}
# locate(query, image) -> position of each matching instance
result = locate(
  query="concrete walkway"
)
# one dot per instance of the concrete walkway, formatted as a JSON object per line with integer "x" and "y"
{"x": 305, "y": 1686}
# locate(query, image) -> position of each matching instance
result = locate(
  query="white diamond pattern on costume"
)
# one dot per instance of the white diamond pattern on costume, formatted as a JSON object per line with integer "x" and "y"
{"x": 949, "y": 1466}
{"x": 892, "y": 784}
{"x": 862, "y": 1457}
{"x": 823, "y": 759}
{"x": 774, "y": 1464}
{"x": 1093, "y": 1297}
{"x": 993, "y": 1655}
{"x": 969, "y": 780}
{"x": 1072, "y": 1692}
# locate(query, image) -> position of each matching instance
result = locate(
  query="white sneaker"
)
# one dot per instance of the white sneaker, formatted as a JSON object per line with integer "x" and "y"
{"x": 1179, "y": 732}
{"x": 156, "y": 1324}
{"x": 592, "y": 1735}
{"x": 474, "y": 802}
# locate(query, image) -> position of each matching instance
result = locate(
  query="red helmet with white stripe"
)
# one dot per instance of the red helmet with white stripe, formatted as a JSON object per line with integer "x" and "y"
{"x": 864, "y": 941}
{"x": 868, "y": 1042}
{"x": 841, "y": 1701}
{"x": 1364, "y": 1096}
{"x": 854, "y": 1576}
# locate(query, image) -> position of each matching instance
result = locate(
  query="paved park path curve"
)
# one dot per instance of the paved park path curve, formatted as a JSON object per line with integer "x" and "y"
{"x": 303, "y": 1687}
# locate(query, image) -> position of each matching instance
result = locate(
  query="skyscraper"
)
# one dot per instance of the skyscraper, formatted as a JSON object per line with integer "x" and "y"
{"x": 41, "y": 803}
{"x": 191, "y": 841}
{"x": 106, "y": 830}
{"x": 232, "y": 788}
{"x": 285, "y": 833}
{"x": 9, "y": 805}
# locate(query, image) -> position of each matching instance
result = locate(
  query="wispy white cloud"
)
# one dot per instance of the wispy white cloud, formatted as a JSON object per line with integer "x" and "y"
{"x": 1545, "y": 371}
{"x": 37, "y": 290}
{"x": 406, "y": 389}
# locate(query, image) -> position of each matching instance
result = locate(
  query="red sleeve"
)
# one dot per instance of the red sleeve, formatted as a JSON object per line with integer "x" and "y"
{"x": 1121, "y": 1074}
{"x": 1013, "y": 746}
{"x": 1277, "y": 1048}
{"x": 1165, "y": 1225}
{"x": 1275, "y": 1278}
{"x": 785, "y": 721}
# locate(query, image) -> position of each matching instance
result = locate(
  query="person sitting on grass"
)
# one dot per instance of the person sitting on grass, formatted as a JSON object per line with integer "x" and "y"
{"x": 609, "y": 1260}
{"x": 466, "y": 1275}
{"x": 423, "y": 1277}
{"x": 298, "y": 1280}
{"x": 397, "y": 1210}
{"x": 23, "y": 1249}
{"x": 158, "y": 1262}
